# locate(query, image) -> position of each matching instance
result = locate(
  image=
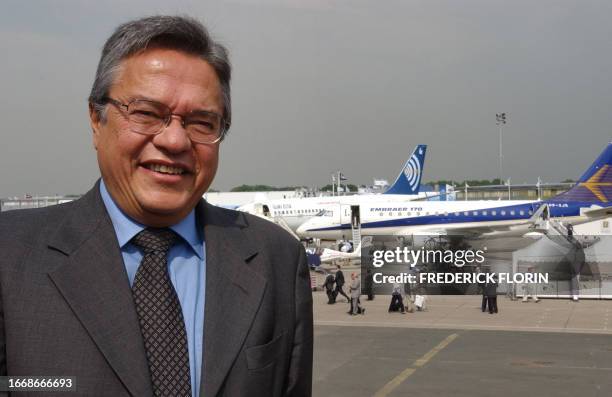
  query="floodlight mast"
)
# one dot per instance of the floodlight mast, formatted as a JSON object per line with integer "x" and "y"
{"x": 500, "y": 121}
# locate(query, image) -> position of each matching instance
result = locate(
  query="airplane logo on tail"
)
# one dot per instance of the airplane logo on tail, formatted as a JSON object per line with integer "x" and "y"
{"x": 413, "y": 171}
{"x": 595, "y": 184}
{"x": 408, "y": 181}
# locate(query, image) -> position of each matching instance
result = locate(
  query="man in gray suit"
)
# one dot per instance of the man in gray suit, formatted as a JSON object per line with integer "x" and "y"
{"x": 355, "y": 291}
{"x": 140, "y": 287}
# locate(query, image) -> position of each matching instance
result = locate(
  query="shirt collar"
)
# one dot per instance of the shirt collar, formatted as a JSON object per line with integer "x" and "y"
{"x": 126, "y": 228}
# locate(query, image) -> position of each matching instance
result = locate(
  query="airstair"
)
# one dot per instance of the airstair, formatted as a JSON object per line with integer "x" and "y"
{"x": 263, "y": 211}
{"x": 355, "y": 225}
{"x": 281, "y": 222}
{"x": 559, "y": 233}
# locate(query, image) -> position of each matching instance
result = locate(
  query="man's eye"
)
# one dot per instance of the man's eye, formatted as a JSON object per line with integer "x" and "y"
{"x": 205, "y": 124}
{"x": 145, "y": 113}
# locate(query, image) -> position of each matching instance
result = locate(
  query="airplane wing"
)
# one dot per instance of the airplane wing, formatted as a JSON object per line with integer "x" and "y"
{"x": 470, "y": 231}
{"x": 595, "y": 213}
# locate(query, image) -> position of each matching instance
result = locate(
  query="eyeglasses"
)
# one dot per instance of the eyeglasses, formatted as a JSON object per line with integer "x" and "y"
{"x": 150, "y": 118}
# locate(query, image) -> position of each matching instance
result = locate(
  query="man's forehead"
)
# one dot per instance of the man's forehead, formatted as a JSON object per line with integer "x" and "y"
{"x": 161, "y": 74}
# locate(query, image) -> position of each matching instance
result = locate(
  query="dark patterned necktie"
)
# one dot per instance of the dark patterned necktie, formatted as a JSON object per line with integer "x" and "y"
{"x": 160, "y": 315}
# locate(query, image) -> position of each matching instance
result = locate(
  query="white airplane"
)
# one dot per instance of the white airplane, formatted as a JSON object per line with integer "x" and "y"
{"x": 589, "y": 199}
{"x": 294, "y": 212}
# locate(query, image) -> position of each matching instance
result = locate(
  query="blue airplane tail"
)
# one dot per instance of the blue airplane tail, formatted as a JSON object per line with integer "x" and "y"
{"x": 595, "y": 185}
{"x": 409, "y": 179}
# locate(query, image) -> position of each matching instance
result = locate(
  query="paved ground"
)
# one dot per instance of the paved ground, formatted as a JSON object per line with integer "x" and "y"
{"x": 453, "y": 349}
{"x": 463, "y": 312}
{"x": 364, "y": 361}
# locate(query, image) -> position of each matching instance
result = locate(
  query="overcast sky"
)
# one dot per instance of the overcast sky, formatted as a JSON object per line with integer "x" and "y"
{"x": 324, "y": 85}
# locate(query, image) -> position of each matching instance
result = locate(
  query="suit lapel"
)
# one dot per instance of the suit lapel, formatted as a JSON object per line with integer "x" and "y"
{"x": 94, "y": 282}
{"x": 233, "y": 293}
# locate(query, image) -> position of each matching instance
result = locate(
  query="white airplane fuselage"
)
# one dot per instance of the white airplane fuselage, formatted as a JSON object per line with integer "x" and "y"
{"x": 405, "y": 218}
{"x": 296, "y": 211}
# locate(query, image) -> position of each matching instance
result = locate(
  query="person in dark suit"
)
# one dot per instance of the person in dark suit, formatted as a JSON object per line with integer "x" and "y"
{"x": 490, "y": 290}
{"x": 329, "y": 289}
{"x": 397, "y": 301}
{"x": 368, "y": 284}
{"x": 481, "y": 289}
{"x": 140, "y": 287}
{"x": 339, "y": 284}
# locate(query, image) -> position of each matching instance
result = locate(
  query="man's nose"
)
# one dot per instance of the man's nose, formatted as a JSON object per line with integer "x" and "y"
{"x": 174, "y": 138}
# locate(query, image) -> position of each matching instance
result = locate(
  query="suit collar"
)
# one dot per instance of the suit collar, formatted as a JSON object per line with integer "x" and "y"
{"x": 85, "y": 217}
{"x": 93, "y": 281}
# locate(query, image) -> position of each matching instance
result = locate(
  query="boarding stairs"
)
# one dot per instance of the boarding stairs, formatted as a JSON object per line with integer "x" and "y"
{"x": 279, "y": 221}
{"x": 558, "y": 232}
{"x": 356, "y": 236}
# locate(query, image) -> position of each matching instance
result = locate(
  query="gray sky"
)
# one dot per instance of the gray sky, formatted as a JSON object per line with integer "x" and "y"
{"x": 320, "y": 85}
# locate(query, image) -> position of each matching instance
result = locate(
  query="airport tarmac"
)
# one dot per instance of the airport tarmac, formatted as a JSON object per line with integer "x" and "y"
{"x": 463, "y": 312}
{"x": 552, "y": 348}
{"x": 378, "y": 361}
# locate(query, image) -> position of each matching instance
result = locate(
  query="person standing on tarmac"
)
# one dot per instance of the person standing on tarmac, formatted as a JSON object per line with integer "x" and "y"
{"x": 329, "y": 289}
{"x": 355, "y": 290}
{"x": 490, "y": 290}
{"x": 339, "y": 284}
{"x": 481, "y": 288}
{"x": 369, "y": 284}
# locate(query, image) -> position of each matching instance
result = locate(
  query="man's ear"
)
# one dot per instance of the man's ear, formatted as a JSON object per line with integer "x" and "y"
{"x": 95, "y": 122}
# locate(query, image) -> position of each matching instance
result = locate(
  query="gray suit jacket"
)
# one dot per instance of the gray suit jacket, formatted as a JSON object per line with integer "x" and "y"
{"x": 66, "y": 306}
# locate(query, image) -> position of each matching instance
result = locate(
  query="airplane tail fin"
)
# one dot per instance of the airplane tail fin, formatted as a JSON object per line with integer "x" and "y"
{"x": 409, "y": 179}
{"x": 595, "y": 185}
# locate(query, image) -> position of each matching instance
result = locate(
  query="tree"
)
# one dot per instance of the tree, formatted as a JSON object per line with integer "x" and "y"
{"x": 263, "y": 188}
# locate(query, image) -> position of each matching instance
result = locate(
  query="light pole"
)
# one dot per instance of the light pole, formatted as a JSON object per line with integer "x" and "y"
{"x": 501, "y": 121}
{"x": 333, "y": 184}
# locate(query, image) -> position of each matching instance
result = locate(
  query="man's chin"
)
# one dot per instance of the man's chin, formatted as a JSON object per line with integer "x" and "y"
{"x": 170, "y": 208}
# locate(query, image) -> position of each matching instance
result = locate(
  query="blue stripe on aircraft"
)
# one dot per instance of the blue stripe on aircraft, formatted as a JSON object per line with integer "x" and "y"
{"x": 557, "y": 210}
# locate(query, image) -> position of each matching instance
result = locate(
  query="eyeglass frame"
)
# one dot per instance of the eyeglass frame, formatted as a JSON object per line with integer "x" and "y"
{"x": 224, "y": 125}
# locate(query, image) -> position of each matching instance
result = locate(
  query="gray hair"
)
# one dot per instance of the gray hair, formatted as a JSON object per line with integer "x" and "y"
{"x": 180, "y": 33}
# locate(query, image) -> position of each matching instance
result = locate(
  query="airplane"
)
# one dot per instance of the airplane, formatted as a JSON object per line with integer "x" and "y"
{"x": 589, "y": 199}
{"x": 291, "y": 213}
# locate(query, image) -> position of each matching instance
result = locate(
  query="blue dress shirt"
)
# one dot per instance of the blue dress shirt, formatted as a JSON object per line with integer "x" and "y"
{"x": 187, "y": 270}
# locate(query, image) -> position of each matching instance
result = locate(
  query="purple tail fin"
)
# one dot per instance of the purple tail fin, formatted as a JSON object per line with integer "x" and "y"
{"x": 595, "y": 185}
